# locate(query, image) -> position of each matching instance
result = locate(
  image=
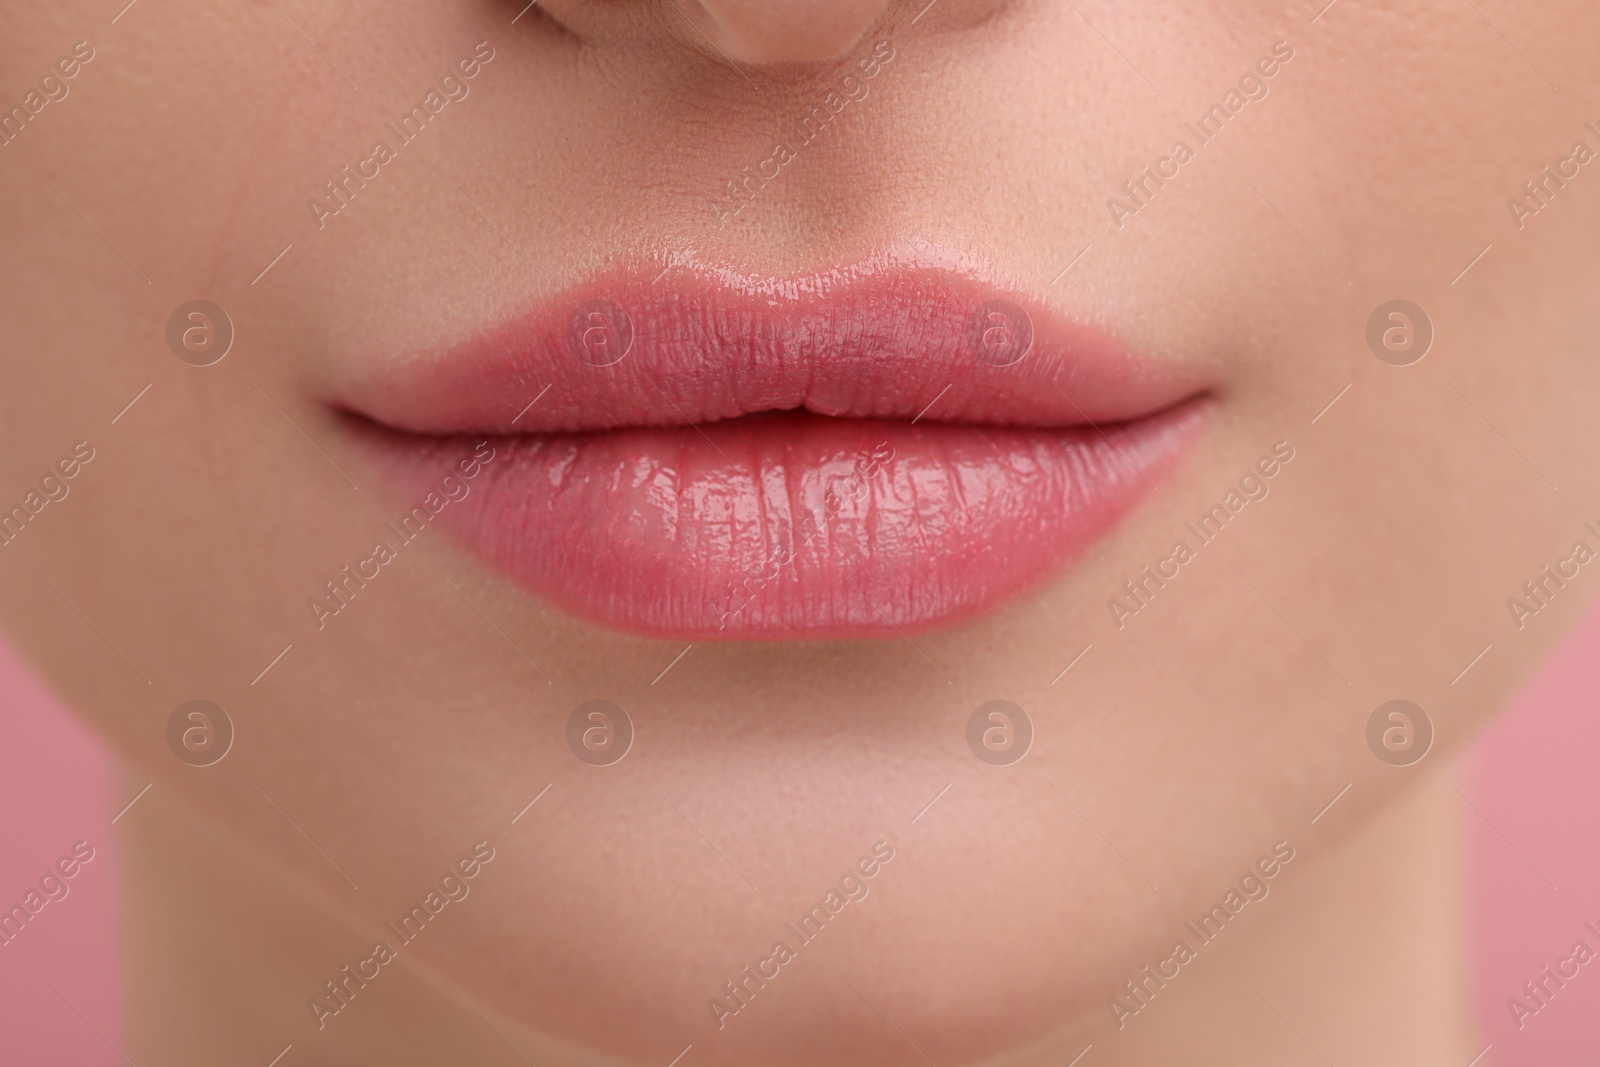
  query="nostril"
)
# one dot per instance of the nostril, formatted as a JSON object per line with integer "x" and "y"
{"x": 785, "y": 31}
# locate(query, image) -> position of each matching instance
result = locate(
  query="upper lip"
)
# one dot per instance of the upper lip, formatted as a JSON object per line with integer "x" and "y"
{"x": 882, "y": 340}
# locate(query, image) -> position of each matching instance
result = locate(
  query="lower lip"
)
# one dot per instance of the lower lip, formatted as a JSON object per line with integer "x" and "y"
{"x": 791, "y": 526}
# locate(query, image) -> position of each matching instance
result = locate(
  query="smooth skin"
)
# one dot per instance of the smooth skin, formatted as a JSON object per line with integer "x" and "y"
{"x": 1215, "y": 722}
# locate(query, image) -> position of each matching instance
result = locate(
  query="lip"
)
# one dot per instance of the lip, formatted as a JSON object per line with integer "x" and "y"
{"x": 866, "y": 452}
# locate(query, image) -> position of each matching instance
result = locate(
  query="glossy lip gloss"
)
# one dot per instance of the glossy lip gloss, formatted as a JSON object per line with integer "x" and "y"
{"x": 862, "y": 453}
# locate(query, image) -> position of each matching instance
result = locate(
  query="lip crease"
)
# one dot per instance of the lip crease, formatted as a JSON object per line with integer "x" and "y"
{"x": 867, "y": 452}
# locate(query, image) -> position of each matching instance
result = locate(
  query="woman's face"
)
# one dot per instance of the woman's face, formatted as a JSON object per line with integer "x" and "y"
{"x": 1196, "y": 220}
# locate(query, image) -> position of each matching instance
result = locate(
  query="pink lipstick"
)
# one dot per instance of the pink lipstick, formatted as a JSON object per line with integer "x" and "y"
{"x": 866, "y": 452}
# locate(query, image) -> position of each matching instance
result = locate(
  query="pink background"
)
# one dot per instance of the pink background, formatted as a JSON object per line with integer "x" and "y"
{"x": 1533, "y": 782}
{"x": 57, "y": 787}
{"x": 1534, "y": 779}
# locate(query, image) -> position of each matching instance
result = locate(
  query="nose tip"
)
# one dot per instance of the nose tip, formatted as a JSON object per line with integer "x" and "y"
{"x": 787, "y": 31}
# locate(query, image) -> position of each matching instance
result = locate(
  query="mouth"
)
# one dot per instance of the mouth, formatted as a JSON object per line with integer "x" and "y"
{"x": 869, "y": 452}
